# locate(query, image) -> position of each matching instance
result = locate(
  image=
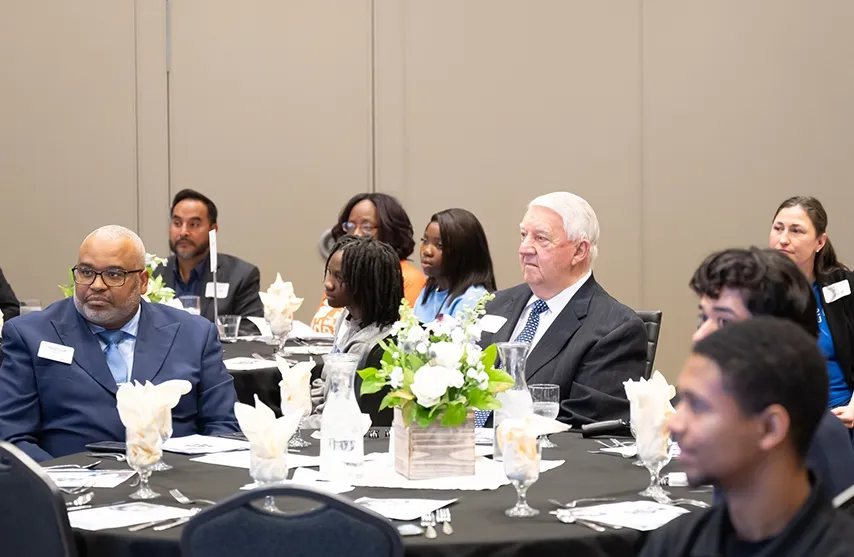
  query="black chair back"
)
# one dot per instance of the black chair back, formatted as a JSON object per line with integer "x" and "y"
{"x": 652, "y": 321}
{"x": 33, "y": 518}
{"x": 333, "y": 527}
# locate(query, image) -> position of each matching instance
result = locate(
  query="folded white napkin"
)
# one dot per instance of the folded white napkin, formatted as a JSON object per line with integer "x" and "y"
{"x": 295, "y": 386}
{"x": 280, "y": 297}
{"x": 650, "y": 407}
{"x": 140, "y": 410}
{"x": 268, "y": 436}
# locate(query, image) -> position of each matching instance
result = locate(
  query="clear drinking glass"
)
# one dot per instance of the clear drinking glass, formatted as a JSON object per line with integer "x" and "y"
{"x": 546, "y": 399}
{"x": 31, "y": 305}
{"x": 164, "y": 425}
{"x": 280, "y": 325}
{"x": 654, "y": 453}
{"x": 144, "y": 449}
{"x": 296, "y": 441}
{"x": 267, "y": 471}
{"x": 192, "y": 304}
{"x": 522, "y": 467}
{"x": 228, "y": 326}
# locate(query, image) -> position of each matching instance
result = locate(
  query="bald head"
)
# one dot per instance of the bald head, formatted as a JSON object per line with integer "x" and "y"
{"x": 115, "y": 255}
{"x": 117, "y": 238}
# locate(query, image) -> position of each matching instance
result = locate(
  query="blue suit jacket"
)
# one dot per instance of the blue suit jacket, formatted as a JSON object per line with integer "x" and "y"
{"x": 50, "y": 409}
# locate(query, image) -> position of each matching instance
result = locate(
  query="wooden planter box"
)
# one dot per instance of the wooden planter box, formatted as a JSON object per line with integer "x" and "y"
{"x": 435, "y": 451}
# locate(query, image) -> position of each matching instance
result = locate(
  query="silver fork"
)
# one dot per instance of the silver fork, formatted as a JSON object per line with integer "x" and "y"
{"x": 428, "y": 521}
{"x": 79, "y": 489}
{"x": 184, "y": 500}
{"x": 443, "y": 516}
{"x": 118, "y": 457}
{"x": 90, "y": 466}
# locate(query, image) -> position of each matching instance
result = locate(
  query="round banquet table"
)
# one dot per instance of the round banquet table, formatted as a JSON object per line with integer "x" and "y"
{"x": 480, "y": 526}
{"x": 263, "y": 382}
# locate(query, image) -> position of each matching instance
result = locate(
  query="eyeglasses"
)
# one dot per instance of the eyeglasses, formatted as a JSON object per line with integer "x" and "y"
{"x": 366, "y": 227}
{"x": 113, "y": 278}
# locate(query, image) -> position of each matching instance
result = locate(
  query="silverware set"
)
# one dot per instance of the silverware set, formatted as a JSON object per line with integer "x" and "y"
{"x": 160, "y": 525}
{"x": 566, "y": 516}
{"x": 441, "y": 516}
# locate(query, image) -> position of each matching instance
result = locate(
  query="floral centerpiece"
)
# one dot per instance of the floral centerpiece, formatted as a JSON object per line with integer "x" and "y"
{"x": 436, "y": 375}
{"x": 157, "y": 292}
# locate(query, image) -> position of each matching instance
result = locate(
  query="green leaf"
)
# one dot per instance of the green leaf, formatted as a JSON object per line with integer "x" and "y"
{"x": 409, "y": 410}
{"x": 454, "y": 415}
{"x": 389, "y": 401}
{"x": 401, "y": 393}
{"x": 483, "y": 400}
{"x": 367, "y": 372}
{"x": 423, "y": 416}
{"x": 488, "y": 356}
{"x": 371, "y": 385}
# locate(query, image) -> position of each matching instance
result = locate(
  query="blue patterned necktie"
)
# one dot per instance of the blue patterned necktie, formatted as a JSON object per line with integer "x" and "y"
{"x": 118, "y": 366}
{"x": 525, "y": 335}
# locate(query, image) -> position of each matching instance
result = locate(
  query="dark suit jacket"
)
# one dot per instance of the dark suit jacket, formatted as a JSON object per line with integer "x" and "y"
{"x": 9, "y": 305}
{"x": 244, "y": 282}
{"x": 840, "y": 319}
{"x": 594, "y": 345}
{"x": 51, "y": 409}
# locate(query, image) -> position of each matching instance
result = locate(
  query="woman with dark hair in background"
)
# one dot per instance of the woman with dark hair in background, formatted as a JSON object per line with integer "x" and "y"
{"x": 455, "y": 257}
{"x": 379, "y": 216}
{"x": 364, "y": 280}
{"x": 799, "y": 230}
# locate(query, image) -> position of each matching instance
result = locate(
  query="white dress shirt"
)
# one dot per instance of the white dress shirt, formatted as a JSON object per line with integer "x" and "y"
{"x": 556, "y": 305}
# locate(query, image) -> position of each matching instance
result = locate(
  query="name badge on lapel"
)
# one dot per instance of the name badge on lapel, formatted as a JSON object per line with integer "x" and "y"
{"x": 221, "y": 290}
{"x": 56, "y": 352}
{"x": 491, "y": 323}
{"x": 836, "y": 291}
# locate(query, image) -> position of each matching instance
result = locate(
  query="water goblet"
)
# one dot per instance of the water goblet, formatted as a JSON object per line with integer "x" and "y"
{"x": 654, "y": 452}
{"x": 280, "y": 325}
{"x": 522, "y": 467}
{"x": 296, "y": 441}
{"x": 267, "y": 470}
{"x": 164, "y": 426}
{"x": 546, "y": 399}
{"x": 144, "y": 449}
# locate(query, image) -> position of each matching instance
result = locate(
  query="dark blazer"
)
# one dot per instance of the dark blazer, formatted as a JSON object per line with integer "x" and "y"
{"x": 840, "y": 319}
{"x": 594, "y": 345}
{"x": 244, "y": 282}
{"x": 51, "y": 409}
{"x": 9, "y": 305}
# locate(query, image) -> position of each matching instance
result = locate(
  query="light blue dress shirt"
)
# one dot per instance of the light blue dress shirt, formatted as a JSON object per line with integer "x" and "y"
{"x": 437, "y": 303}
{"x": 127, "y": 344}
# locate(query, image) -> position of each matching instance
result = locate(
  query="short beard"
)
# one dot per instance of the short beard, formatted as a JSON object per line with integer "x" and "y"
{"x": 191, "y": 255}
{"x": 110, "y": 315}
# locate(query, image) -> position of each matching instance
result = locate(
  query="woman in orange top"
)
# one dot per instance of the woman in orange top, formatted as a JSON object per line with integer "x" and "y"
{"x": 379, "y": 216}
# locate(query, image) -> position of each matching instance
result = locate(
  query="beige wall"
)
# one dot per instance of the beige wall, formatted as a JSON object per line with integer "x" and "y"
{"x": 684, "y": 123}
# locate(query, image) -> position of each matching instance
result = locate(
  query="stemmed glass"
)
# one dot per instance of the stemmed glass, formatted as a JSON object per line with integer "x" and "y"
{"x": 522, "y": 467}
{"x": 296, "y": 441}
{"x": 268, "y": 471}
{"x": 546, "y": 399}
{"x": 280, "y": 325}
{"x": 654, "y": 452}
{"x": 144, "y": 449}
{"x": 164, "y": 426}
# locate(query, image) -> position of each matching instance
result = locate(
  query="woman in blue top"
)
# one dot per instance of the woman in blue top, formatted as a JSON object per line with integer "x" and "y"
{"x": 799, "y": 230}
{"x": 455, "y": 257}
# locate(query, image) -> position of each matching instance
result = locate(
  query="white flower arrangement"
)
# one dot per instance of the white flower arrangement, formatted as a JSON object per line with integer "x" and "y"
{"x": 437, "y": 369}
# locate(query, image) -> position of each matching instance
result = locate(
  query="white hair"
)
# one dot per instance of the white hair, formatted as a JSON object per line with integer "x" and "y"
{"x": 116, "y": 232}
{"x": 579, "y": 219}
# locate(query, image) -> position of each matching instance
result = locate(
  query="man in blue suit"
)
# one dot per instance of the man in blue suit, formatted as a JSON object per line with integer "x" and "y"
{"x": 62, "y": 366}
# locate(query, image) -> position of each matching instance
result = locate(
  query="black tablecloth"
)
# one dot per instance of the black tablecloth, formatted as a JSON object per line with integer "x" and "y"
{"x": 263, "y": 382}
{"x": 480, "y": 526}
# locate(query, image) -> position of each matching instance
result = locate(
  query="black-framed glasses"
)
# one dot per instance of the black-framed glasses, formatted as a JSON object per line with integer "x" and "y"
{"x": 366, "y": 227}
{"x": 113, "y": 278}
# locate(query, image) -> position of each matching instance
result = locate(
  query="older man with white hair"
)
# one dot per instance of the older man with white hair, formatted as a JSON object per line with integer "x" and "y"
{"x": 62, "y": 366}
{"x": 582, "y": 339}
